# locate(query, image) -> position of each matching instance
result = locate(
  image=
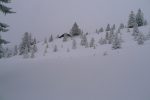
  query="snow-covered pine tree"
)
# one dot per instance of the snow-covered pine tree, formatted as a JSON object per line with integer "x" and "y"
{"x": 107, "y": 36}
{"x": 45, "y": 50}
{"x": 101, "y": 30}
{"x": 114, "y": 27}
{"x": 1, "y": 51}
{"x": 75, "y": 30}
{"x": 3, "y": 27}
{"x": 83, "y": 40}
{"x": 32, "y": 53}
{"x": 97, "y": 31}
{"x": 26, "y": 41}
{"x": 140, "y": 18}
{"x": 15, "y": 50}
{"x": 55, "y": 48}
{"x": 92, "y": 42}
{"x": 140, "y": 38}
{"x": 33, "y": 50}
{"x": 51, "y": 38}
{"x": 135, "y": 31}
{"x": 132, "y": 20}
{"x": 6, "y": 10}
{"x": 121, "y": 26}
{"x": 102, "y": 41}
{"x": 111, "y": 35}
{"x": 6, "y": 53}
{"x": 116, "y": 44}
{"x": 74, "y": 44}
{"x": 26, "y": 52}
{"x": 108, "y": 28}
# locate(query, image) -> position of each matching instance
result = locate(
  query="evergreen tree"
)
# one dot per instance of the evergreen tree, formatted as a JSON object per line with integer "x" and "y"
{"x": 15, "y": 50}
{"x": 33, "y": 50}
{"x": 92, "y": 42}
{"x": 108, "y": 28}
{"x": 121, "y": 26}
{"x": 51, "y": 38}
{"x": 97, "y": 31}
{"x": 32, "y": 53}
{"x": 1, "y": 51}
{"x": 102, "y": 41}
{"x": 140, "y": 38}
{"x": 140, "y": 18}
{"x": 135, "y": 31}
{"x": 83, "y": 40}
{"x": 75, "y": 30}
{"x": 111, "y": 35}
{"x": 26, "y": 52}
{"x": 114, "y": 27}
{"x": 116, "y": 44}
{"x": 55, "y": 48}
{"x": 45, "y": 50}
{"x": 107, "y": 36}
{"x": 101, "y": 30}
{"x": 6, "y": 10}
{"x": 131, "y": 20}
{"x": 26, "y": 41}
{"x": 3, "y": 27}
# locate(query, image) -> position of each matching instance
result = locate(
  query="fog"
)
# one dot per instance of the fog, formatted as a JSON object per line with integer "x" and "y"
{"x": 45, "y": 17}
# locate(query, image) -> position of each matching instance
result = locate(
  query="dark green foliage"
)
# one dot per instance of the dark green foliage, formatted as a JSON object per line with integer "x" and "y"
{"x": 3, "y": 27}
{"x": 6, "y": 10}
{"x": 75, "y": 31}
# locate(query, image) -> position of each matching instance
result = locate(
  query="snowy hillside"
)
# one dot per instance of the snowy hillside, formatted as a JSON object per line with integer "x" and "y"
{"x": 93, "y": 73}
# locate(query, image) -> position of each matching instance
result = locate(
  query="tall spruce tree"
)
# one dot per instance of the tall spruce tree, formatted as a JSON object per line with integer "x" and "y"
{"x": 140, "y": 18}
{"x": 108, "y": 28}
{"x": 132, "y": 20}
{"x": 6, "y": 10}
{"x": 3, "y": 27}
{"x": 116, "y": 44}
{"x": 51, "y": 38}
{"x": 75, "y": 30}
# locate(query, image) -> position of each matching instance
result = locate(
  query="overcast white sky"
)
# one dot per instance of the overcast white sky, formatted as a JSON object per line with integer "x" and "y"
{"x": 43, "y": 17}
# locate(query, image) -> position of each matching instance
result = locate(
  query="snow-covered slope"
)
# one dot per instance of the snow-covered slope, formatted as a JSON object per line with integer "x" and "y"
{"x": 80, "y": 74}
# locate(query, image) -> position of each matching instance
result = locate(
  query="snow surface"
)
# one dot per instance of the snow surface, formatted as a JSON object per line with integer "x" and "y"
{"x": 81, "y": 74}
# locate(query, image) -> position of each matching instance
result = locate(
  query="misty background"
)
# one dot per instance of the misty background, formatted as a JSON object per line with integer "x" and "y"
{"x": 45, "y": 17}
